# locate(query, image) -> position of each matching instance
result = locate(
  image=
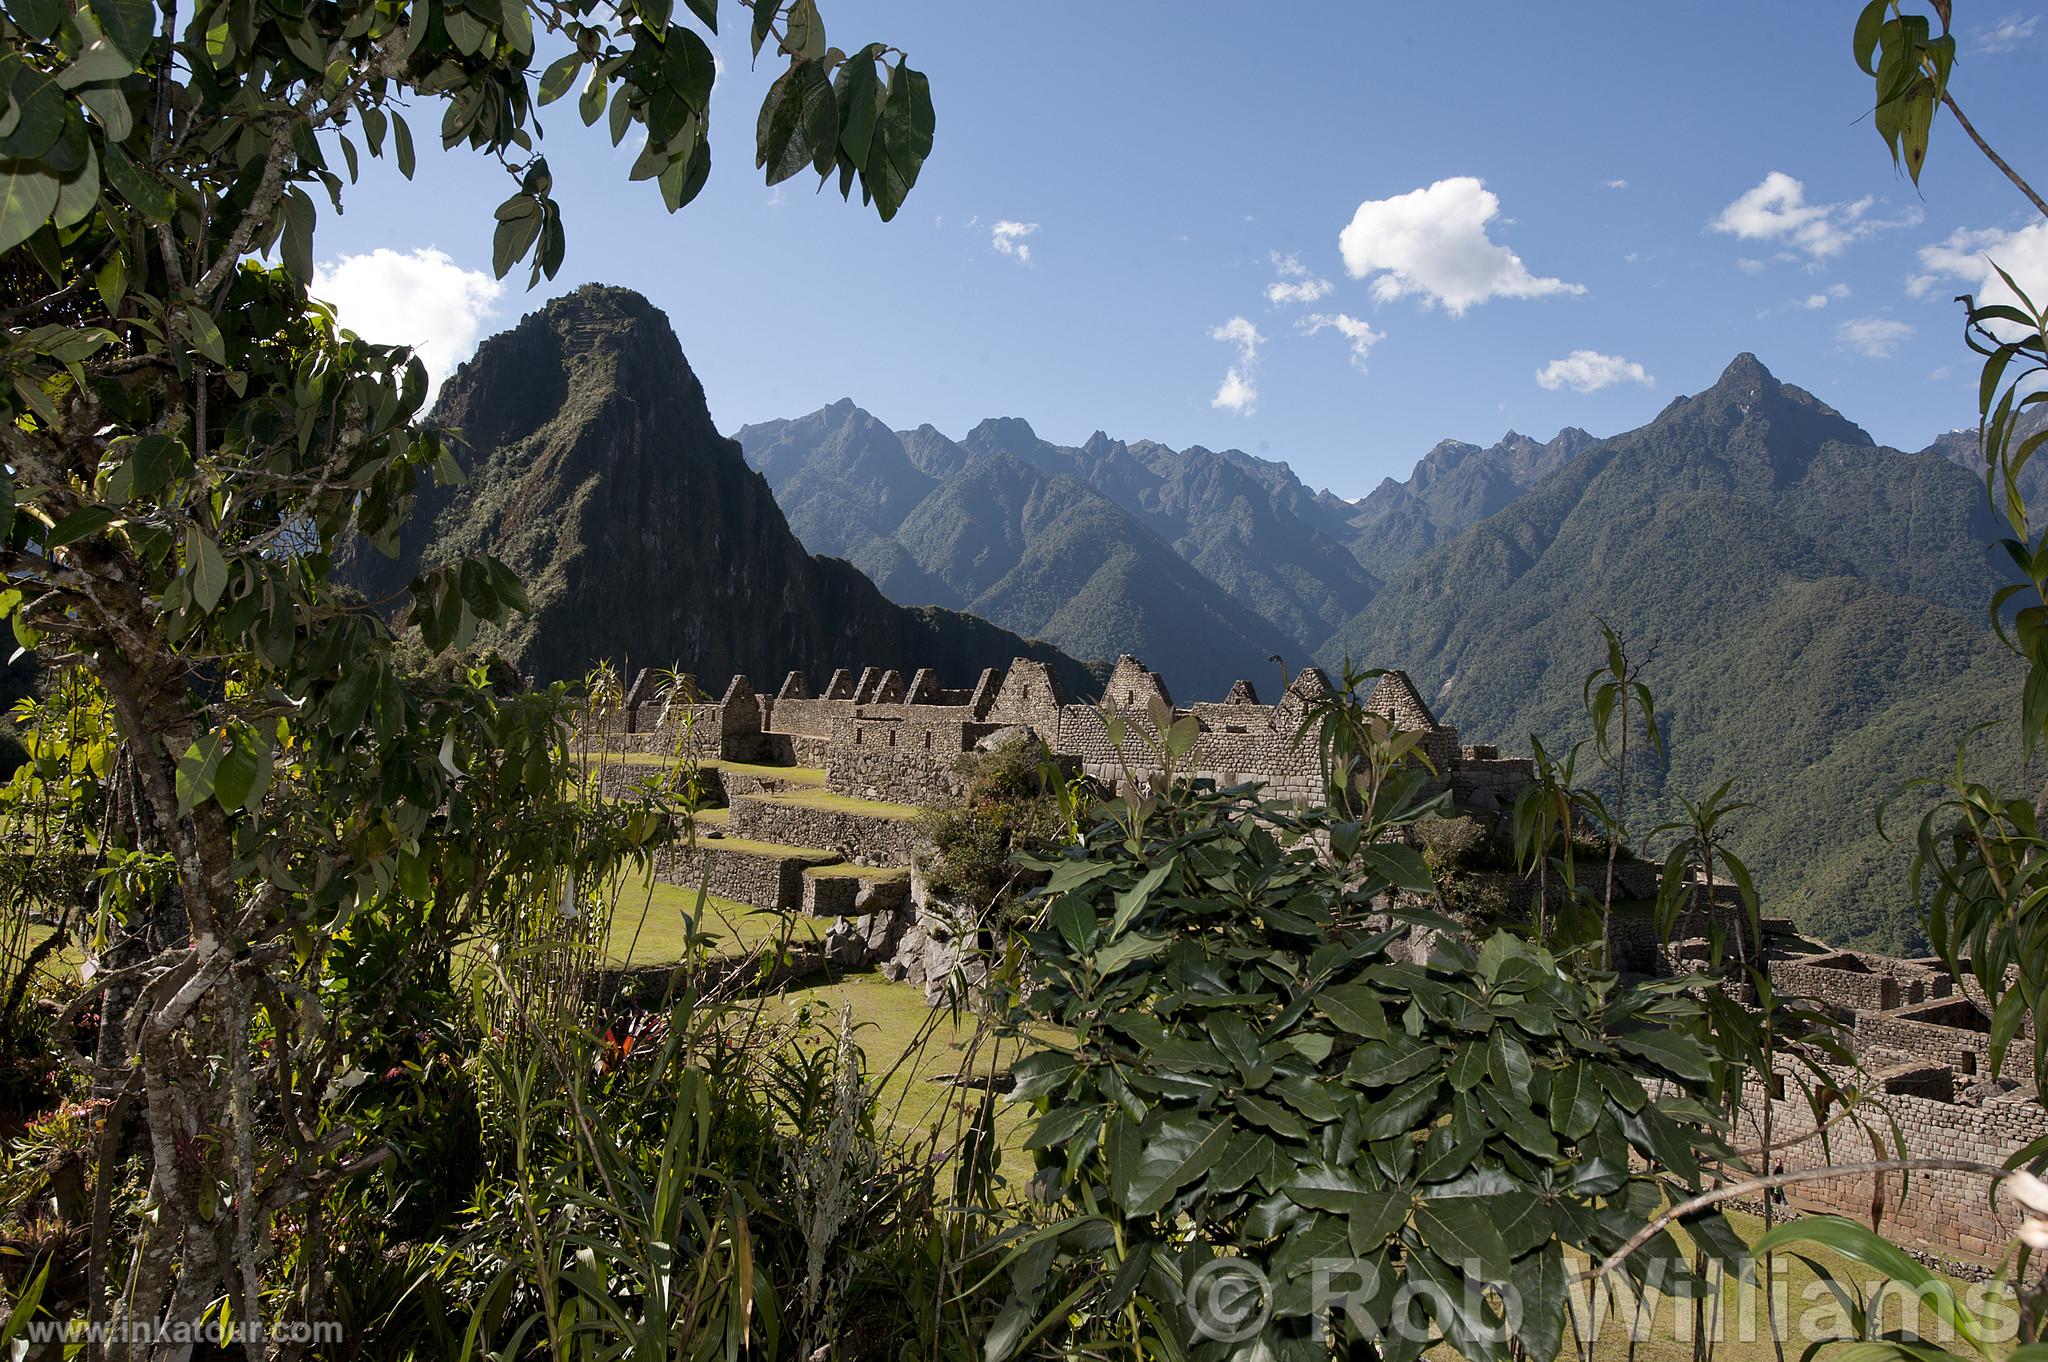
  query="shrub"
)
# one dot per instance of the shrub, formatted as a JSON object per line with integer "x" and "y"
{"x": 1009, "y": 806}
{"x": 1238, "y": 1075}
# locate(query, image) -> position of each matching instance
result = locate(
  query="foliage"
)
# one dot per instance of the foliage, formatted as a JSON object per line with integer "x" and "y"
{"x": 1008, "y": 806}
{"x": 189, "y": 442}
{"x": 1242, "y": 1067}
{"x": 1976, "y": 870}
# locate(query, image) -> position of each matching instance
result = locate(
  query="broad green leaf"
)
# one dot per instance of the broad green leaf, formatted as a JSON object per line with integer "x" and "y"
{"x": 28, "y": 195}
{"x": 1460, "y": 1230}
{"x": 1355, "y": 1008}
{"x": 1168, "y": 1159}
{"x": 206, "y": 336}
{"x": 76, "y": 526}
{"x": 902, "y": 140}
{"x": 205, "y": 567}
{"x": 1677, "y": 1053}
{"x": 149, "y": 198}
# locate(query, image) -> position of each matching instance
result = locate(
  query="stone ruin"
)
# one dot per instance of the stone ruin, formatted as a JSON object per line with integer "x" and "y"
{"x": 878, "y": 737}
{"x": 1923, "y": 1043}
{"x": 821, "y": 794}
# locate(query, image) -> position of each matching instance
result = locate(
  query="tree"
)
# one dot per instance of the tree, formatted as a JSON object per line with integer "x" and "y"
{"x": 188, "y": 441}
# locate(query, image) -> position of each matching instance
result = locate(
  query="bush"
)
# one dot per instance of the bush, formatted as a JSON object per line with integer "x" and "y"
{"x": 1234, "y": 1076}
{"x": 1009, "y": 806}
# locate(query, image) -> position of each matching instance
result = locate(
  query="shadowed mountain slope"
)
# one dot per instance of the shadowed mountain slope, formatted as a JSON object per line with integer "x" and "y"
{"x": 641, "y": 534}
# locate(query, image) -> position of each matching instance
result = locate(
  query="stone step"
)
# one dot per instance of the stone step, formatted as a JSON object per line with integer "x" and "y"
{"x": 763, "y": 874}
{"x": 864, "y": 830}
{"x": 854, "y": 890}
{"x": 720, "y": 781}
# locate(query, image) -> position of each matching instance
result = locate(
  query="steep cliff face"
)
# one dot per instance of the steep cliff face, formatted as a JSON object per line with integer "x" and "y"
{"x": 642, "y": 535}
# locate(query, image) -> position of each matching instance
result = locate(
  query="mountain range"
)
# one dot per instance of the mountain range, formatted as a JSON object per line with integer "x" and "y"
{"x": 595, "y": 472}
{"x": 1812, "y": 603}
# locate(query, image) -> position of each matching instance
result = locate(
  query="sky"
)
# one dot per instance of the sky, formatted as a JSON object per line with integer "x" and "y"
{"x": 1330, "y": 235}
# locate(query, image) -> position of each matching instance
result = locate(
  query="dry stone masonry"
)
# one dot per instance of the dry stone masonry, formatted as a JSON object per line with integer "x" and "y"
{"x": 821, "y": 794}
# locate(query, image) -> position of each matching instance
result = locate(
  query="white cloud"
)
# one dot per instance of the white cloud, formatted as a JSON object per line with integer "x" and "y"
{"x": 1617, "y": 184}
{"x": 1433, "y": 242}
{"x": 1588, "y": 371}
{"x": 2008, "y": 33}
{"x": 1873, "y": 337}
{"x": 1008, "y": 239}
{"x": 1239, "y": 391}
{"x": 1971, "y": 256}
{"x": 1748, "y": 265}
{"x": 1777, "y": 210}
{"x": 1360, "y": 334}
{"x": 1834, "y": 293}
{"x": 1304, "y": 287}
{"x": 1304, "y": 291}
{"x": 419, "y": 298}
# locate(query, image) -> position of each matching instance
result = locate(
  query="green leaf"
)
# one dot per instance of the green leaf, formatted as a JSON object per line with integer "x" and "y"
{"x": 706, "y": 12}
{"x": 112, "y": 282}
{"x": 860, "y": 95}
{"x": 559, "y": 77}
{"x": 76, "y": 526}
{"x": 39, "y": 18}
{"x": 28, "y": 195}
{"x": 1543, "y": 1295}
{"x": 206, "y": 337}
{"x": 799, "y": 122}
{"x": 1669, "y": 1050}
{"x": 1400, "y": 1057}
{"x": 1354, "y": 1008}
{"x": 1170, "y": 1158}
{"x": 242, "y": 775}
{"x": 764, "y": 22}
{"x": 148, "y": 197}
{"x": 1860, "y": 1244}
{"x": 1460, "y": 1230}
{"x": 196, "y": 772}
{"x": 205, "y": 567}
{"x": 401, "y": 142}
{"x": 1575, "y": 1101}
{"x": 902, "y": 140}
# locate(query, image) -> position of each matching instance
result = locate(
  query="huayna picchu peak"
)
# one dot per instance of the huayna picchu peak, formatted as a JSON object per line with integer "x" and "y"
{"x": 595, "y": 473}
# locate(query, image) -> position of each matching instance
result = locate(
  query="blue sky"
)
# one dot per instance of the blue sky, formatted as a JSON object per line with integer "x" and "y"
{"x": 1614, "y": 197}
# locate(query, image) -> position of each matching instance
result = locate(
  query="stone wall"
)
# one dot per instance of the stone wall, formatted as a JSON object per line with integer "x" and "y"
{"x": 1955, "y": 1031}
{"x": 878, "y": 711}
{"x": 870, "y": 839}
{"x": 765, "y": 881}
{"x": 898, "y": 776}
{"x": 1850, "y": 981}
{"x": 1945, "y": 1214}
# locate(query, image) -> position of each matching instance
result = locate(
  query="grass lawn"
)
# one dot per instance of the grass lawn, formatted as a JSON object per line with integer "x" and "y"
{"x": 894, "y": 1023}
{"x": 847, "y": 870}
{"x": 748, "y": 847}
{"x": 793, "y": 775}
{"x": 657, "y": 911}
{"x": 838, "y": 803}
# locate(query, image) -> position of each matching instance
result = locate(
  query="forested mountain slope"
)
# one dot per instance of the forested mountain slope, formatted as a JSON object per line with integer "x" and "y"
{"x": 1815, "y": 602}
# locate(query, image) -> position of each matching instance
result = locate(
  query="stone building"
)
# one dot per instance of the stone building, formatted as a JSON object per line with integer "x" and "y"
{"x": 877, "y": 736}
{"x": 821, "y": 795}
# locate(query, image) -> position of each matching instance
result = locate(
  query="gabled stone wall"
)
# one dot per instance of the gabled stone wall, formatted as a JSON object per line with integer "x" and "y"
{"x": 882, "y": 736}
